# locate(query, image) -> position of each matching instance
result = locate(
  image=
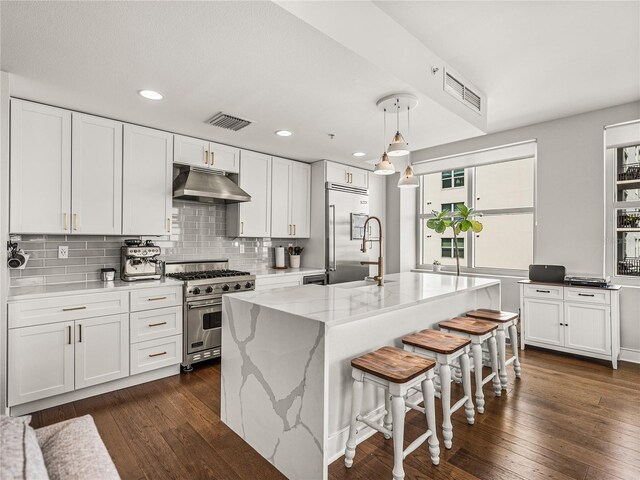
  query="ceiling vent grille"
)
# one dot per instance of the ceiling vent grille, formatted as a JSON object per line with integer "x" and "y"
{"x": 459, "y": 90}
{"x": 229, "y": 122}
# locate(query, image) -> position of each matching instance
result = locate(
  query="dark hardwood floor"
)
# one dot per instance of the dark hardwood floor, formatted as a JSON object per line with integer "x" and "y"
{"x": 567, "y": 418}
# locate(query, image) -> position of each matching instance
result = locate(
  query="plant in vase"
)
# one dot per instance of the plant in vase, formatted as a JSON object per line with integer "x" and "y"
{"x": 461, "y": 220}
{"x": 437, "y": 266}
{"x": 294, "y": 256}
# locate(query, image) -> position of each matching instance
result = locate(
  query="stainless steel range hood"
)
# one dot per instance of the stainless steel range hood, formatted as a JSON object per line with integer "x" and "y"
{"x": 210, "y": 187}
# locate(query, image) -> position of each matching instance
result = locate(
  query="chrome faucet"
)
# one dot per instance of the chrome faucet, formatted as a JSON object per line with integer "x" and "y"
{"x": 378, "y": 278}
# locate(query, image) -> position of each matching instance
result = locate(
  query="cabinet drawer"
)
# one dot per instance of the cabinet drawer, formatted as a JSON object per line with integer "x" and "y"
{"x": 284, "y": 281}
{"x": 154, "y": 354}
{"x": 588, "y": 295}
{"x": 159, "y": 297}
{"x": 63, "y": 309}
{"x": 544, "y": 291}
{"x": 152, "y": 324}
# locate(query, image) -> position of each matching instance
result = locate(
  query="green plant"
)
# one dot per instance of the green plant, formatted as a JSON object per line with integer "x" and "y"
{"x": 461, "y": 220}
{"x": 436, "y": 262}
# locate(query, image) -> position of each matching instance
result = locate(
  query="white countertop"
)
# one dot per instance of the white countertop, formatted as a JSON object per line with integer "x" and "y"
{"x": 44, "y": 291}
{"x": 337, "y": 304}
{"x": 270, "y": 272}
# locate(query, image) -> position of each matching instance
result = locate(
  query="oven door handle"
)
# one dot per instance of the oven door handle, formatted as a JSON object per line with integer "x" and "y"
{"x": 203, "y": 305}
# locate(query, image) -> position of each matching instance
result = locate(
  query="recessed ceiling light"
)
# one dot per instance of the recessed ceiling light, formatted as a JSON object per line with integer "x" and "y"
{"x": 284, "y": 133}
{"x": 150, "y": 94}
{"x": 358, "y": 154}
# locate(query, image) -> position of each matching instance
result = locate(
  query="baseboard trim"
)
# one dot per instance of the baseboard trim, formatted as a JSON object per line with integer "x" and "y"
{"x": 630, "y": 355}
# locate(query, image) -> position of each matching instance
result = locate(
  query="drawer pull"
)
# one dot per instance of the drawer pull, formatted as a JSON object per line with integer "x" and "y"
{"x": 156, "y": 298}
{"x": 543, "y": 291}
{"x": 156, "y": 324}
{"x": 586, "y": 294}
{"x": 70, "y": 309}
{"x": 157, "y": 354}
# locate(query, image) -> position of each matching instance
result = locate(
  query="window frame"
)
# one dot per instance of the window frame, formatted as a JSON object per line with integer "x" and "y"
{"x": 467, "y": 265}
{"x": 453, "y": 179}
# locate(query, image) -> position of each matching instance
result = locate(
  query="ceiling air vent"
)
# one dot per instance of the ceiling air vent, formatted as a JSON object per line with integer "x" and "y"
{"x": 229, "y": 122}
{"x": 459, "y": 90}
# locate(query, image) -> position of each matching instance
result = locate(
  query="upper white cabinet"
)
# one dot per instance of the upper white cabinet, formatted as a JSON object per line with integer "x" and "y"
{"x": 204, "y": 154}
{"x": 290, "y": 199}
{"x": 338, "y": 173}
{"x": 252, "y": 219}
{"x": 147, "y": 181}
{"x": 96, "y": 180}
{"x": 40, "y": 169}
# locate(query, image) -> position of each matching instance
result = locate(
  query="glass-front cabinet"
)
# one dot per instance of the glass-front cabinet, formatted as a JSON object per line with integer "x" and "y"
{"x": 627, "y": 210}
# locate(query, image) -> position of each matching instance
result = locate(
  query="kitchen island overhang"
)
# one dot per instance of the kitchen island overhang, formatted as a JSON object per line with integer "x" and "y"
{"x": 286, "y": 374}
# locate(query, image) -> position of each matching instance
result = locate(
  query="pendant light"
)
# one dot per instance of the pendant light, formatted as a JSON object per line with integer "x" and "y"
{"x": 384, "y": 165}
{"x": 398, "y": 146}
{"x": 408, "y": 180}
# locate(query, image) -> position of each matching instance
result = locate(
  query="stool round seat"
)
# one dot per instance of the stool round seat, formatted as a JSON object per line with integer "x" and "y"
{"x": 436, "y": 341}
{"x": 393, "y": 364}
{"x": 492, "y": 315}
{"x": 472, "y": 326}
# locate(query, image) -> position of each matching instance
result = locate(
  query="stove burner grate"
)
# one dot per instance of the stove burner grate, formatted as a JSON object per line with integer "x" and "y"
{"x": 186, "y": 276}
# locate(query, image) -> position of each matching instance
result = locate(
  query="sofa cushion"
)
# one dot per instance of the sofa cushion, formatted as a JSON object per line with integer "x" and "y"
{"x": 20, "y": 454}
{"x": 74, "y": 450}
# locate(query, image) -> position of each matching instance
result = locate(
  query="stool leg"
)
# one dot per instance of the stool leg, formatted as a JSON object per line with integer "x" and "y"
{"x": 457, "y": 374}
{"x": 397, "y": 412}
{"x": 476, "y": 352}
{"x": 494, "y": 365}
{"x": 430, "y": 412}
{"x": 502, "y": 358}
{"x": 466, "y": 386}
{"x": 356, "y": 405}
{"x": 387, "y": 422}
{"x": 445, "y": 398}
{"x": 513, "y": 336}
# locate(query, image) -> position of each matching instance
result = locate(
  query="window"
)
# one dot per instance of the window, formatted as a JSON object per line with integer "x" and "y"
{"x": 453, "y": 178}
{"x": 504, "y": 194}
{"x": 449, "y": 247}
{"x": 627, "y": 185}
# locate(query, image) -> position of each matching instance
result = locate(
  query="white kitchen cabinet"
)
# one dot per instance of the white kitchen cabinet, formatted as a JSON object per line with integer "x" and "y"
{"x": 346, "y": 175}
{"x": 204, "y": 154}
{"x": 101, "y": 350}
{"x": 96, "y": 180}
{"x": 290, "y": 199}
{"x": 578, "y": 320}
{"x": 40, "y": 169}
{"x": 252, "y": 219}
{"x": 40, "y": 362}
{"x": 147, "y": 181}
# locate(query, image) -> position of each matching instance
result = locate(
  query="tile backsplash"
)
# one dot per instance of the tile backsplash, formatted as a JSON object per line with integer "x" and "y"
{"x": 199, "y": 233}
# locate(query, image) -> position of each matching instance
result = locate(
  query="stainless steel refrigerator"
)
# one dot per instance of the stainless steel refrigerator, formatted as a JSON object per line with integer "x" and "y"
{"x": 347, "y": 208}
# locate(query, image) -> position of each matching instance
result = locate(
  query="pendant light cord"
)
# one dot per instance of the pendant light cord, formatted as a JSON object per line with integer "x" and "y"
{"x": 384, "y": 132}
{"x": 397, "y": 114}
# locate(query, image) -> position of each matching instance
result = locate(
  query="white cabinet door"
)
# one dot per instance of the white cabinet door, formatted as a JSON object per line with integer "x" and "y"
{"x": 40, "y": 362}
{"x": 40, "y": 168}
{"x": 281, "y": 173}
{"x": 102, "y": 349}
{"x": 337, "y": 173}
{"x": 147, "y": 181}
{"x": 225, "y": 158}
{"x": 190, "y": 151}
{"x": 358, "y": 177}
{"x": 544, "y": 321}
{"x": 588, "y": 327}
{"x": 255, "y": 179}
{"x": 96, "y": 186}
{"x": 300, "y": 199}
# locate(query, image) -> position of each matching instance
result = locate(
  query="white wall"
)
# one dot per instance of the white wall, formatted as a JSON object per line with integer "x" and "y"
{"x": 401, "y": 226}
{"x": 570, "y": 195}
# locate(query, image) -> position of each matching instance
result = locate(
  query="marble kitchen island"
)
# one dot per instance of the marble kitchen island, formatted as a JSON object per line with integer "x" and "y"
{"x": 286, "y": 374}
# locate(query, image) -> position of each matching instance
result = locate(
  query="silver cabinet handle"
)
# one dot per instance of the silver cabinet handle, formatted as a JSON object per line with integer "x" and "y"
{"x": 70, "y": 309}
{"x": 294, "y": 229}
{"x": 152, "y": 299}
{"x": 156, "y": 324}
{"x": 241, "y": 228}
{"x": 346, "y": 175}
{"x": 543, "y": 291}
{"x": 79, "y": 333}
{"x": 65, "y": 221}
{"x": 586, "y": 295}
{"x": 157, "y": 354}
{"x": 69, "y": 334}
{"x": 206, "y": 157}
{"x": 213, "y": 157}
{"x": 75, "y": 221}
{"x": 168, "y": 225}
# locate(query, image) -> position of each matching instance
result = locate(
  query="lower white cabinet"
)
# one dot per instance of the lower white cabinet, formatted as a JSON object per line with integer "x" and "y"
{"x": 154, "y": 354}
{"x": 583, "y": 321}
{"x": 40, "y": 362}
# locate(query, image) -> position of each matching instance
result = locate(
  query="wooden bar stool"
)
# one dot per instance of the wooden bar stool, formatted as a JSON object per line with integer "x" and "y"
{"x": 395, "y": 371}
{"x": 447, "y": 350}
{"x": 479, "y": 332}
{"x": 507, "y": 322}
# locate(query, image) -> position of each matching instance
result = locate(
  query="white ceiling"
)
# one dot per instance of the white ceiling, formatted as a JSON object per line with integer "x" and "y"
{"x": 534, "y": 60}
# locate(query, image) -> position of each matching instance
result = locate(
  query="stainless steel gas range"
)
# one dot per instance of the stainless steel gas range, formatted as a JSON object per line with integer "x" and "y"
{"x": 204, "y": 284}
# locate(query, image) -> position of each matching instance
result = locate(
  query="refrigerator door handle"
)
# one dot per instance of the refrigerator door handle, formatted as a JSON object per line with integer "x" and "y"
{"x": 332, "y": 238}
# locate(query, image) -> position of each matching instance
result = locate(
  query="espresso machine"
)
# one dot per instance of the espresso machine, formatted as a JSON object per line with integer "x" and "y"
{"x": 139, "y": 261}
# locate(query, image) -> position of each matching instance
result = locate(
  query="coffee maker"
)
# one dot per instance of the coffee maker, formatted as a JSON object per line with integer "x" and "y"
{"x": 140, "y": 261}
